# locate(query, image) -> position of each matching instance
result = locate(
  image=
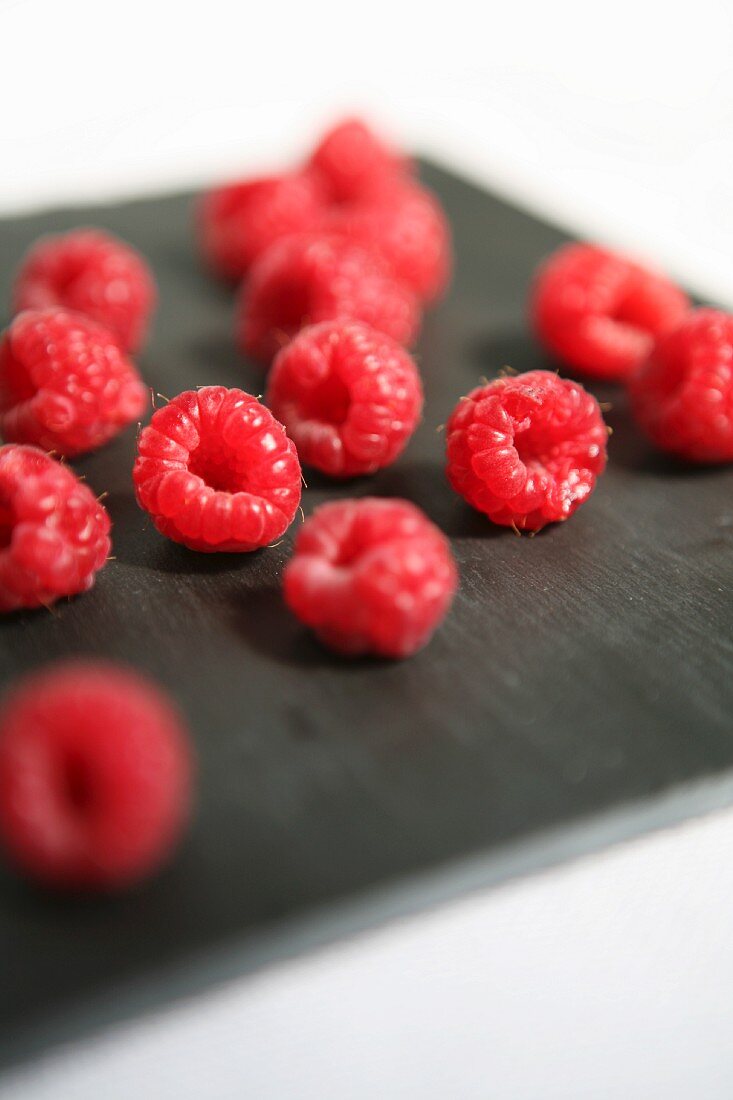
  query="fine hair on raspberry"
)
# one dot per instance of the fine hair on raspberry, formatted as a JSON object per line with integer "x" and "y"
{"x": 95, "y": 776}
{"x": 65, "y": 383}
{"x": 371, "y": 576}
{"x": 682, "y": 396}
{"x": 54, "y": 533}
{"x": 349, "y": 397}
{"x": 217, "y": 472}
{"x": 600, "y": 313}
{"x": 309, "y": 278}
{"x": 526, "y": 450}
{"x": 94, "y": 273}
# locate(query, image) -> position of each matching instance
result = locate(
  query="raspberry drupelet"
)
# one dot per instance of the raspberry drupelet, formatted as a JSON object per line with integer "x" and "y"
{"x": 65, "y": 384}
{"x": 682, "y": 396}
{"x": 95, "y": 776}
{"x": 371, "y": 576}
{"x": 526, "y": 450}
{"x": 216, "y": 471}
{"x": 310, "y": 278}
{"x": 237, "y": 222}
{"x": 406, "y": 225}
{"x": 351, "y": 162}
{"x": 349, "y": 397}
{"x": 54, "y": 533}
{"x": 91, "y": 272}
{"x": 599, "y": 313}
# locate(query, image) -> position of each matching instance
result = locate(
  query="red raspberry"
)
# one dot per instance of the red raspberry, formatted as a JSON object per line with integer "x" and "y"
{"x": 64, "y": 383}
{"x": 95, "y": 775}
{"x": 371, "y": 576}
{"x": 54, "y": 534}
{"x": 351, "y": 162}
{"x": 239, "y": 221}
{"x": 600, "y": 313}
{"x": 349, "y": 397}
{"x": 408, "y": 228}
{"x": 216, "y": 471}
{"x": 310, "y": 278}
{"x": 93, "y": 273}
{"x": 682, "y": 396}
{"x": 526, "y": 450}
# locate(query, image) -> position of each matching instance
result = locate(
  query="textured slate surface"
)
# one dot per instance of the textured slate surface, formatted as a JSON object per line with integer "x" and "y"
{"x": 580, "y": 671}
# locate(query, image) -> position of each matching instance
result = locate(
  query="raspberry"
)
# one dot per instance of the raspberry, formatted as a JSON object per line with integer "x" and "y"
{"x": 54, "y": 534}
{"x": 216, "y": 471}
{"x": 526, "y": 450}
{"x": 64, "y": 383}
{"x": 408, "y": 228}
{"x": 95, "y": 776}
{"x": 682, "y": 396}
{"x": 349, "y": 397}
{"x": 371, "y": 576}
{"x": 239, "y": 221}
{"x": 351, "y": 162}
{"x": 93, "y": 273}
{"x": 309, "y": 278}
{"x": 600, "y": 313}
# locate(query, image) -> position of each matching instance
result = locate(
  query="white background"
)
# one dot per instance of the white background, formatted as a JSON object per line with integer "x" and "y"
{"x": 609, "y": 978}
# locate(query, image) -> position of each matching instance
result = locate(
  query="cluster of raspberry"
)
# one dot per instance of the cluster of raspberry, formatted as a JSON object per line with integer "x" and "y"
{"x": 335, "y": 261}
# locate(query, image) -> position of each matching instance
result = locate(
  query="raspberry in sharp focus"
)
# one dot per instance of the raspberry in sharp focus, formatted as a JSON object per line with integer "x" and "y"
{"x": 371, "y": 576}
{"x": 65, "y": 384}
{"x": 310, "y": 278}
{"x": 239, "y": 221}
{"x": 95, "y": 776}
{"x": 406, "y": 225}
{"x": 351, "y": 162}
{"x": 216, "y": 471}
{"x": 93, "y": 273}
{"x": 682, "y": 396}
{"x": 526, "y": 450}
{"x": 599, "y": 313}
{"x": 54, "y": 534}
{"x": 349, "y": 397}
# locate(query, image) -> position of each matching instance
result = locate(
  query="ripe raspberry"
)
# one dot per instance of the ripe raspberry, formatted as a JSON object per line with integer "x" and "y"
{"x": 64, "y": 383}
{"x": 92, "y": 273}
{"x": 54, "y": 534}
{"x": 349, "y": 397}
{"x": 371, "y": 576}
{"x": 306, "y": 279}
{"x": 682, "y": 396}
{"x": 407, "y": 227}
{"x": 526, "y": 450}
{"x": 351, "y": 162}
{"x": 600, "y": 313}
{"x": 95, "y": 775}
{"x": 216, "y": 471}
{"x": 239, "y": 221}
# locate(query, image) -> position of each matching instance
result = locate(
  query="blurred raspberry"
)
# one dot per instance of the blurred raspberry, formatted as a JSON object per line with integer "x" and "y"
{"x": 351, "y": 162}
{"x": 93, "y": 273}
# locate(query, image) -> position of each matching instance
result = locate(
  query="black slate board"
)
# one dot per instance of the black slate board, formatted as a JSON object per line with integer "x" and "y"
{"x": 581, "y": 672}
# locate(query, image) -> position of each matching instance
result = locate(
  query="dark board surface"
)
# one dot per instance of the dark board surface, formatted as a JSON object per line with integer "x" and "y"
{"x": 580, "y": 672}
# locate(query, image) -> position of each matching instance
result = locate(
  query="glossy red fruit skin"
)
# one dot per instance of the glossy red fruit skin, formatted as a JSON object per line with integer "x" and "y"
{"x": 65, "y": 383}
{"x": 349, "y": 397}
{"x": 237, "y": 222}
{"x": 526, "y": 450}
{"x": 92, "y": 272}
{"x": 217, "y": 472}
{"x": 371, "y": 576}
{"x": 682, "y": 396}
{"x": 351, "y": 162}
{"x": 54, "y": 533}
{"x": 95, "y": 776}
{"x": 599, "y": 313}
{"x": 306, "y": 279}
